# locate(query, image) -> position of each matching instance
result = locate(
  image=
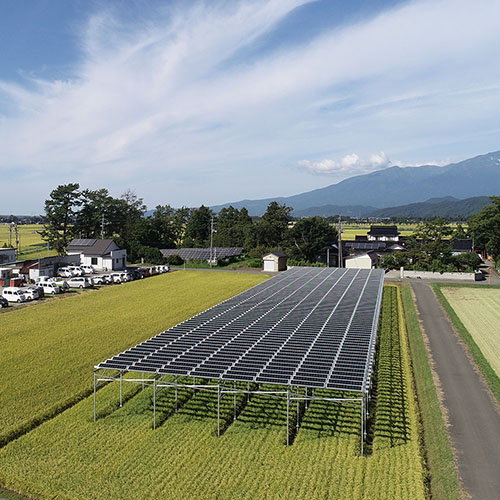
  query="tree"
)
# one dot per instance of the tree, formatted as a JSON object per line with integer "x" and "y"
{"x": 94, "y": 218}
{"x": 485, "y": 227}
{"x": 232, "y": 226}
{"x": 270, "y": 231}
{"x": 60, "y": 211}
{"x": 309, "y": 237}
{"x": 198, "y": 228}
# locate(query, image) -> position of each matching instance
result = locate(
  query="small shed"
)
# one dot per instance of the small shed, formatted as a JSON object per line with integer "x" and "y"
{"x": 366, "y": 260}
{"x": 275, "y": 262}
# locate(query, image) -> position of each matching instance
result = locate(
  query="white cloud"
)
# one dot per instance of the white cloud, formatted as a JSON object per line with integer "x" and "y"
{"x": 171, "y": 107}
{"x": 347, "y": 166}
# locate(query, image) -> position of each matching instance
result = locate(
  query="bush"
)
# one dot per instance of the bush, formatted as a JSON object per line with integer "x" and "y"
{"x": 254, "y": 263}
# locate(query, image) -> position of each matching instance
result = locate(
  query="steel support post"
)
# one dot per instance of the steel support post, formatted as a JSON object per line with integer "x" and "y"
{"x": 142, "y": 380}
{"x": 121, "y": 389}
{"x": 218, "y": 410}
{"x": 298, "y": 415}
{"x": 362, "y": 423}
{"x": 154, "y": 403}
{"x": 288, "y": 416}
{"x": 248, "y": 392}
{"x": 95, "y": 414}
{"x": 234, "y": 401}
{"x": 176, "y": 399}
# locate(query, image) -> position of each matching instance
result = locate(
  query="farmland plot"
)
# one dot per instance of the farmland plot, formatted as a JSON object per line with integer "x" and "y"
{"x": 120, "y": 456}
{"x": 48, "y": 350}
{"x": 479, "y": 311}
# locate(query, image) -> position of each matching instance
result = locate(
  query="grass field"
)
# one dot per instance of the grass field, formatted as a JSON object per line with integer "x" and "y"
{"x": 120, "y": 456}
{"x": 479, "y": 311}
{"x": 350, "y": 231}
{"x": 30, "y": 242}
{"x": 49, "y": 350}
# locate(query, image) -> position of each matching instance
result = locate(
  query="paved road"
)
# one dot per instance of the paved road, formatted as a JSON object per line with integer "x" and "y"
{"x": 474, "y": 420}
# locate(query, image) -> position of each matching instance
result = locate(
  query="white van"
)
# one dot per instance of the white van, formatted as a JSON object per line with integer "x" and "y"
{"x": 14, "y": 294}
{"x": 88, "y": 269}
{"x": 65, "y": 272}
{"x": 78, "y": 282}
{"x": 76, "y": 270}
{"x": 50, "y": 287}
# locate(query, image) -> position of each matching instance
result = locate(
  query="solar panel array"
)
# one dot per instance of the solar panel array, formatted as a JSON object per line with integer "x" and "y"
{"x": 203, "y": 253}
{"x": 83, "y": 242}
{"x": 310, "y": 327}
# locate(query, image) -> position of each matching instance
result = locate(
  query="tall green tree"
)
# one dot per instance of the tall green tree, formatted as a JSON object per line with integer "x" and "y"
{"x": 485, "y": 227}
{"x": 270, "y": 231}
{"x": 198, "y": 228}
{"x": 309, "y": 237}
{"x": 232, "y": 226}
{"x": 94, "y": 219}
{"x": 60, "y": 213}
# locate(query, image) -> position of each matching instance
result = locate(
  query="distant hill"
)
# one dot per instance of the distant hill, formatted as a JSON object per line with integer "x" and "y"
{"x": 329, "y": 210}
{"x": 396, "y": 186}
{"x": 447, "y": 207}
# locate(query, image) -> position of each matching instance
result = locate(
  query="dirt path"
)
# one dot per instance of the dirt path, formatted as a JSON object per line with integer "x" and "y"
{"x": 474, "y": 420}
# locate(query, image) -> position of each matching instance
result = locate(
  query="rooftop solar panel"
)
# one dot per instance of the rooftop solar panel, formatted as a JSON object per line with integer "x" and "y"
{"x": 309, "y": 327}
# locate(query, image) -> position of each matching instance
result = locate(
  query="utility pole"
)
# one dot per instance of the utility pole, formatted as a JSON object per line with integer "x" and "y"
{"x": 340, "y": 241}
{"x": 17, "y": 239}
{"x": 103, "y": 224}
{"x": 211, "y": 239}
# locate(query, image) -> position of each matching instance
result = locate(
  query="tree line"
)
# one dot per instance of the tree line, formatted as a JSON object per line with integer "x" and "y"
{"x": 72, "y": 212}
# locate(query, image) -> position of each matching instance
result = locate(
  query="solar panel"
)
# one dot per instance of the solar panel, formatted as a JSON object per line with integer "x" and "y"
{"x": 309, "y": 327}
{"x": 83, "y": 242}
{"x": 203, "y": 253}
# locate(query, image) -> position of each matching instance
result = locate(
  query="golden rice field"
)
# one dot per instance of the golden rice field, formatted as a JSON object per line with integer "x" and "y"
{"x": 479, "y": 311}
{"x": 30, "y": 242}
{"x": 120, "y": 456}
{"x": 48, "y": 350}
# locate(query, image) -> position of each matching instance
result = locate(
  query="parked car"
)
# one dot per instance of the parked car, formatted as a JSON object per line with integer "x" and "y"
{"x": 50, "y": 288}
{"x": 14, "y": 294}
{"x": 88, "y": 269}
{"x": 76, "y": 270}
{"x": 97, "y": 280}
{"x": 108, "y": 279}
{"x": 33, "y": 292}
{"x": 3, "y": 302}
{"x": 79, "y": 282}
{"x": 60, "y": 283}
{"x": 65, "y": 272}
{"x": 117, "y": 278}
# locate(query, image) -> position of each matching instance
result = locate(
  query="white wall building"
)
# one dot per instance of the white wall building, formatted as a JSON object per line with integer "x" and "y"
{"x": 361, "y": 261}
{"x": 7, "y": 255}
{"x": 275, "y": 262}
{"x": 103, "y": 255}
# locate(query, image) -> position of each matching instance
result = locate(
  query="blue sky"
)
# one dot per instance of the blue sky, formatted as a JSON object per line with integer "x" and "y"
{"x": 194, "y": 102}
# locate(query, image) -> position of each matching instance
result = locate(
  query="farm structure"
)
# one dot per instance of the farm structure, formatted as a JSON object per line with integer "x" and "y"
{"x": 208, "y": 254}
{"x": 306, "y": 329}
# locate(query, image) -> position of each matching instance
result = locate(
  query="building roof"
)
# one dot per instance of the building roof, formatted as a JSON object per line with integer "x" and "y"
{"x": 277, "y": 254}
{"x": 383, "y": 231}
{"x": 462, "y": 245}
{"x": 90, "y": 246}
{"x": 361, "y": 237}
{"x": 365, "y": 245}
{"x": 203, "y": 253}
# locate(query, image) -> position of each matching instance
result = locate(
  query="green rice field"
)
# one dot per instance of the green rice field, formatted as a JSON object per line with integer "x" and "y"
{"x": 30, "y": 242}
{"x": 121, "y": 456}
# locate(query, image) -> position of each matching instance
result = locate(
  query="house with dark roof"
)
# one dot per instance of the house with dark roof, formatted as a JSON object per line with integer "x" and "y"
{"x": 103, "y": 255}
{"x": 383, "y": 233}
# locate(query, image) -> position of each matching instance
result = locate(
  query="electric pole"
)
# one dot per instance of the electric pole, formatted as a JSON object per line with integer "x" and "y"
{"x": 340, "y": 242}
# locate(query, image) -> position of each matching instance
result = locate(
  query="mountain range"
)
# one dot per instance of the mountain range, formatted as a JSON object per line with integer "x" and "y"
{"x": 394, "y": 187}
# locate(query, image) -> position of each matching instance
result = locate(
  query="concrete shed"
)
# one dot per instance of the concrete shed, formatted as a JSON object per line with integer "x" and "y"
{"x": 362, "y": 261}
{"x": 275, "y": 262}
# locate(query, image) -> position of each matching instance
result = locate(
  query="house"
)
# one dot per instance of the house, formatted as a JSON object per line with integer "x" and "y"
{"x": 461, "y": 246}
{"x": 275, "y": 262}
{"x": 7, "y": 255}
{"x": 104, "y": 255}
{"x": 366, "y": 260}
{"x": 383, "y": 233}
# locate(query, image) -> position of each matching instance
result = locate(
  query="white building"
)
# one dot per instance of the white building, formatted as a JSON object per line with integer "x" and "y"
{"x": 361, "y": 261}
{"x": 7, "y": 255}
{"x": 275, "y": 262}
{"x": 383, "y": 233}
{"x": 104, "y": 255}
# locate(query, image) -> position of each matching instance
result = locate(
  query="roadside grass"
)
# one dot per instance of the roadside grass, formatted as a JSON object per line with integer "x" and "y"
{"x": 443, "y": 476}
{"x": 491, "y": 377}
{"x": 120, "y": 456}
{"x": 49, "y": 349}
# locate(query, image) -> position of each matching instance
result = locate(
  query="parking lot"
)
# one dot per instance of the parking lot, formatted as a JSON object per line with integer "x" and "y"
{"x": 71, "y": 280}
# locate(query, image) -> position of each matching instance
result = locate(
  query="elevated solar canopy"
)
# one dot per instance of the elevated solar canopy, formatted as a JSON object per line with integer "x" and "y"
{"x": 307, "y": 327}
{"x": 203, "y": 253}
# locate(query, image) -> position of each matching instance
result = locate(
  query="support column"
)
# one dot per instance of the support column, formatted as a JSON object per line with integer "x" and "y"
{"x": 154, "y": 403}
{"x": 288, "y": 416}
{"x": 121, "y": 389}
{"x": 248, "y": 392}
{"x": 234, "y": 401}
{"x": 176, "y": 399}
{"x": 142, "y": 380}
{"x": 218, "y": 410}
{"x": 362, "y": 423}
{"x": 95, "y": 413}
